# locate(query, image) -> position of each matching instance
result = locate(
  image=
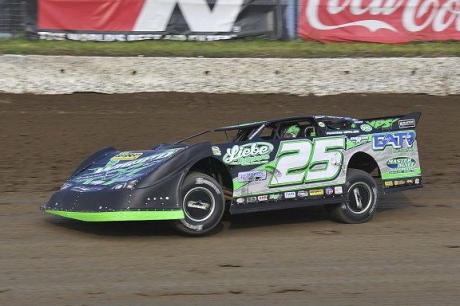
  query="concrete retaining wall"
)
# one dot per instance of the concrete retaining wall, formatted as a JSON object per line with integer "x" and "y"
{"x": 65, "y": 75}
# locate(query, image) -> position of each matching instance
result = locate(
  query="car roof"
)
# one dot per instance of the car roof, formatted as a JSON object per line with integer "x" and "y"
{"x": 287, "y": 120}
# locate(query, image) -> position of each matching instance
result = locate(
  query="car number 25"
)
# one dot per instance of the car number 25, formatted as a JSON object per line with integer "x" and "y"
{"x": 303, "y": 161}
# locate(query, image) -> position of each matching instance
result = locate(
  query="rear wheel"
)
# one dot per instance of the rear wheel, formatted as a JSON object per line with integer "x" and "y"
{"x": 363, "y": 199}
{"x": 203, "y": 204}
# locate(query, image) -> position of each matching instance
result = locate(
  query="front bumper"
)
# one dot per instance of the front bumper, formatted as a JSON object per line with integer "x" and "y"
{"x": 158, "y": 202}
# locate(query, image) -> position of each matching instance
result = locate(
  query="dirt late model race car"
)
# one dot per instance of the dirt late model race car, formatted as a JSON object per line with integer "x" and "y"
{"x": 267, "y": 165}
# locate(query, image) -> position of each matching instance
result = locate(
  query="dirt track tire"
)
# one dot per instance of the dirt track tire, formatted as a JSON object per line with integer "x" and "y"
{"x": 363, "y": 199}
{"x": 203, "y": 204}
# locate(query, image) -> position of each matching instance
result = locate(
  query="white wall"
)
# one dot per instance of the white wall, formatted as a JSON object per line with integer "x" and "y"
{"x": 66, "y": 74}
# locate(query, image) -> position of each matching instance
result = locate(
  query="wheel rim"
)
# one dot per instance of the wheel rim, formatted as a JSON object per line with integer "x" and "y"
{"x": 199, "y": 204}
{"x": 360, "y": 198}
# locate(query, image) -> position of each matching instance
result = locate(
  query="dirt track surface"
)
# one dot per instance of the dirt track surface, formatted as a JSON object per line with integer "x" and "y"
{"x": 409, "y": 254}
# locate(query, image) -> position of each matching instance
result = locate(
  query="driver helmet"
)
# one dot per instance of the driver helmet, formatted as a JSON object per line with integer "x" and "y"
{"x": 292, "y": 131}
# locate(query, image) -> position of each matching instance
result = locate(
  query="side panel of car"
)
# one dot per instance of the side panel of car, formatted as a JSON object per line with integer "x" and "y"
{"x": 392, "y": 142}
{"x": 273, "y": 174}
{"x": 300, "y": 171}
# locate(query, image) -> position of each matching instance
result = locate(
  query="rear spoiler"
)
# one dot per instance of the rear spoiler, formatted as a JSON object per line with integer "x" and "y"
{"x": 409, "y": 121}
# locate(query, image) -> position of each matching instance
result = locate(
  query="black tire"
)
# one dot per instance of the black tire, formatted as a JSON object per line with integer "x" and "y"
{"x": 363, "y": 199}
{"x": 203, "y": 204}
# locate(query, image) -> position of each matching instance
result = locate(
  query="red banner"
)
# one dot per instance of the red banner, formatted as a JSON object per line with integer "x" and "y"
{"x": 385, "y": 21}
{"x": 132, "y": 20}
{"x": 94, "y": 15}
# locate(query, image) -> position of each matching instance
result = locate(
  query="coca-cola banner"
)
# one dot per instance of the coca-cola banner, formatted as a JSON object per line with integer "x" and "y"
{"x": 386, "y": 21}
{"x": 131, "y": 20}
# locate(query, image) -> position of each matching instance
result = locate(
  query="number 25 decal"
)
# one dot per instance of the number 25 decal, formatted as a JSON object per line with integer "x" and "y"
{"x": 302, "y": 161}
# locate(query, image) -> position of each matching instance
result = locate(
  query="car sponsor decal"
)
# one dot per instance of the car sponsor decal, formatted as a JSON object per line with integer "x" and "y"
{"x": 401, "y": 165}
{"x": 338, "y": 190}
{"x": 240, "y": 200}
{"x": 396, "y": 140}
{"x": 122, "y": 170}
{"x": 406, "y": 123}
{"x": 216, "y": 151}
{"x": 365, "y": 128}
{"x": 403, "y": 150}
{"x": 248, "y": 154}
{"x": 382, "y": 124}
{"x": 302, "y": 193}
{"x": 251, "y": 176}
{"x": 262, "y": 198}
{"x": 342, "y": 132}
{"x": 126, "y": 156}
{"x": 275, "y": 196}
{"x": 357, "y": 141}
{"x": 289, "y": 195}
{"x": 316, "y": 192}
{"x": 403, "y": 182}
{"x": 388, "y": 184}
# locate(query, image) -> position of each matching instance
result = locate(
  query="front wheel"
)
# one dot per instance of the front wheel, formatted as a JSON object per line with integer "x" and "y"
{"x": 203, "y": 204}
{"x": 363, "y": 199}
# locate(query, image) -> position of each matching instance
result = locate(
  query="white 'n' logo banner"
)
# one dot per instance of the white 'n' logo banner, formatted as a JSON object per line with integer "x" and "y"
{"x": 155, "y": 15}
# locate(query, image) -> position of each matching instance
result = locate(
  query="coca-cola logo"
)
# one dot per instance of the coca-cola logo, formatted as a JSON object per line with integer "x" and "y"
{"x": 392, "y": 15}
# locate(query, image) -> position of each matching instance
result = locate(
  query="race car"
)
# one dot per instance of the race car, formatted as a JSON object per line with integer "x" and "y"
{"x": 259, "y": 166}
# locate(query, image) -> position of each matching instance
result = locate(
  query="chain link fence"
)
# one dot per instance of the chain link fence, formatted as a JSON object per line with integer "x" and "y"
{"x": 11, "y": 17}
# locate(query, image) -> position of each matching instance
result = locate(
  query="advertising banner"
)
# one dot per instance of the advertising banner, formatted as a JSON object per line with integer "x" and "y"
{"x": 132, "y": 20}
{"x": 385, "y": 21}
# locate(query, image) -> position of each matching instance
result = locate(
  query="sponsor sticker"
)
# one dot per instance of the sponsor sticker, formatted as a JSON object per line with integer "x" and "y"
{"x": 403, "y": 150}
{"x": 316, "y": 192}
{"x": 401, "y": 165}
{"x": 216, "y": 151}
{"x": 417, "y": 181}
{"x": 251, "y": 199}
{"x": 366, "y": 128}
{"x": 399, "y": 183}
{"x": 302, "y": 193}
{"x": 389, "y": 184}
{"x": 275, "y": 196}
{"x": 342, "y": 132}
{"x": 126, "y": 156}
{"x": 359, "y": 139}
{"x": 251, "y": 176}
{"x": 289, "y": 195}
{"x": 240, "y": 200}
{"x": 122, "y": 170}
{"x": 248, "y": 154}
{"x": 406, "y": 123}
{"x": 262, "y": 198}
{"x": 382, "y": 124}
{"x": 395, "y": 140}
{"x": 329, "y": 191}
{"x": 338, "y": 190}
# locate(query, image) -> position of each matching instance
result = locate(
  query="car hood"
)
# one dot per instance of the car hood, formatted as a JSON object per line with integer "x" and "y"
{"x": 118, "y": 169}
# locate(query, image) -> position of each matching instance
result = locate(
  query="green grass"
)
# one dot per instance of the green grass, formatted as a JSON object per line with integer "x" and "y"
{"x": 232, "y": 48}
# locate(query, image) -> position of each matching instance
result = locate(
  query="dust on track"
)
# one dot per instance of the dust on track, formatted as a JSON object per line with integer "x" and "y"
{"x": 408, "y": 254}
